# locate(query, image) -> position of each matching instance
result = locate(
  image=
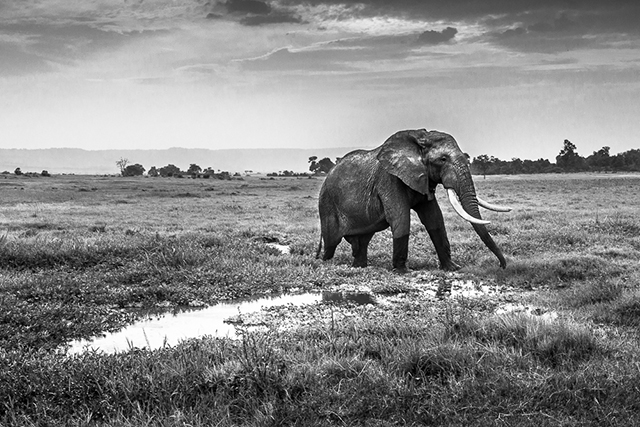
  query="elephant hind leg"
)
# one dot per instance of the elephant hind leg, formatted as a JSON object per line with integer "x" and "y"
{"x": 330, "y": 248}
{"x": 330, "y": 234}
{"x": 359, "y": 248}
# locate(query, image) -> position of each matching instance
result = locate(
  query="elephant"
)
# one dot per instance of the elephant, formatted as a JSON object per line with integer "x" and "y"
{"x": 370, "y": 190}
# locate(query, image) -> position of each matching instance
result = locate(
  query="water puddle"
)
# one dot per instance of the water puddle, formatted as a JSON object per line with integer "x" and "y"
{"x": 358, "y": 298}
{"x": 219, "y": 320}
{"x": 229, "y": 319}
{"x": 170, "y": 329}
{"x": 528, "y": 310}
{"x": 283, "y": 249}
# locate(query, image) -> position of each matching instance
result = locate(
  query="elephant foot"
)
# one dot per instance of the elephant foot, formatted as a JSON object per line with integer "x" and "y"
{"x": 449, "y": 266}
{"x": 401, "y": 270}
{"x": 359, "y": 264}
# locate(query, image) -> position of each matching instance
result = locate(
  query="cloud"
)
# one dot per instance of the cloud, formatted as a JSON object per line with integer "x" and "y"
{"x": 594, "y": 17}
{"x": 557, "y": 34}
{"x": 251, "y": 13}
{"x": 272, "y": 18}
{"x": 562, "y": 23}
{"x": 40, "y": 47}
{"x": 254, "y": 7}
{"x": 512, "y": 32}
{"x": 288, "y": 60}
{"x": 358, "y": 36}
{"x": 436, "y": 37}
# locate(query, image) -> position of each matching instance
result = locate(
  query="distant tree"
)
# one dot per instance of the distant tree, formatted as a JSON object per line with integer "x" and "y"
{"x": 122, "y": 164}
{"x": 542, "y": 166}
{"x": 600, "y": 160}
{"x": 169, "y": 170}
{"x": 153, "y": 172}
{"x": 133, "y": 170}
{"x": 627, "y": 161}
{"x": 223, "y": 175}
{"x": 516, "y": 166}
{"x": 568, "y": 159}
{"x": 481, "y": 164}
{"x": 194, "y": 169}
{"x": 17, "y": 171}
{"x": 45, "y": 173}
{"x": 313, "y": 165}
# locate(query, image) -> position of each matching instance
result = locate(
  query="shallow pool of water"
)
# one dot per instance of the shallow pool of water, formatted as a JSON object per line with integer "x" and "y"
{"x": 170, "y": 329}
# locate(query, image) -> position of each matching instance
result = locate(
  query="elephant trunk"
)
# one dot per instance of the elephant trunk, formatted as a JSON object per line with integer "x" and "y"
{"x": 469, "y": 201}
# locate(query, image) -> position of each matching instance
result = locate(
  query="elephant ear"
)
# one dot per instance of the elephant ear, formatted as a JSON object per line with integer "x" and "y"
{"x": 402, "y": 155}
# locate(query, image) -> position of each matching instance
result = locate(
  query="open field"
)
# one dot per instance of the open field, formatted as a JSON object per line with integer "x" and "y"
{"x": 551, "y": 340}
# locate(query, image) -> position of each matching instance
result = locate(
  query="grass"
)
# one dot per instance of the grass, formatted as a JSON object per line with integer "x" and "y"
{"x": 79, "y": 256}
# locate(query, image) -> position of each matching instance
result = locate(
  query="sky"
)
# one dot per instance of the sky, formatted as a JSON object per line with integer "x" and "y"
{"x": 508, "y": 78}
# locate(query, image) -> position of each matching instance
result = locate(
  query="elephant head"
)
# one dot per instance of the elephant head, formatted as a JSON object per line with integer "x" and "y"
{"x": 423, "y": 159}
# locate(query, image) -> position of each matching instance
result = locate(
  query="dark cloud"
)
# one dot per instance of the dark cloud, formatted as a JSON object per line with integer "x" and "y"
{"x": 436, "y": 37}
{"x": 518, "y": 31}
{"x": 556, "y": 34}
{"x": 461, "y": 9}
{"x": 599, "y": 16}
{"x": 272, "y": 18}
{"x": 251, "y": 13}
{"x": 254, "y": 7}
{"x": 41, "y": 46}
{"x": 562, "y": 23}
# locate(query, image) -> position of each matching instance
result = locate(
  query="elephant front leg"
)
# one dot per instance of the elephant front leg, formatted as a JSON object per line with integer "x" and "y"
{"x": 400, "y": 217}
{"x": 400, "y": 254}
{"x": 443, "y": 249}
{"x": 432, "y": 219}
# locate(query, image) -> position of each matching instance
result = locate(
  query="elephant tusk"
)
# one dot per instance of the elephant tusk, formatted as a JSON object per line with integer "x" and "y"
{"x": 492, "y": 207}
{"x": 453, "y": 199}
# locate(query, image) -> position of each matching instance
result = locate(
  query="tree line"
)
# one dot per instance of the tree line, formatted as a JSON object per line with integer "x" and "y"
{"x": 126, "y": 169}
{"x": 568, "y": 160}
{"x": 171, "y": 170}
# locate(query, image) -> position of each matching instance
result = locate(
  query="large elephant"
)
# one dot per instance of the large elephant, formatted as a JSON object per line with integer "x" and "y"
{"x": 370, "y": 190}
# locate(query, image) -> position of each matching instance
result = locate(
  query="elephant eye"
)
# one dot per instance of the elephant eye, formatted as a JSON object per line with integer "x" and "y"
{"x": 443, "y": 158}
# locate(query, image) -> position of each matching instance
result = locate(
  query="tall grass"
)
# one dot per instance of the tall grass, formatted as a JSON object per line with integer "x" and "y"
{"x": 349, "y": 373}
{"x": 80, "y": 265}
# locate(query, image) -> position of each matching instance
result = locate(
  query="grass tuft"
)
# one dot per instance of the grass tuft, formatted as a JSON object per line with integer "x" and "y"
{"x": 623, "y": 311}
{"x": 552, "y": 342}
{"x": 592, "y": 292}
{"x": 563, "y": 271}
{"x": 440, "y": 363}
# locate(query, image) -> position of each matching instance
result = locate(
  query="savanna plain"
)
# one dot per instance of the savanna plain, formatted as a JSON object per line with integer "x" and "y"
{"x": 551, "y": 340}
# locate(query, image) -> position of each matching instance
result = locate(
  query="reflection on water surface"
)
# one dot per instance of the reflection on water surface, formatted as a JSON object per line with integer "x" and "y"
{"x": 171, "y": 328}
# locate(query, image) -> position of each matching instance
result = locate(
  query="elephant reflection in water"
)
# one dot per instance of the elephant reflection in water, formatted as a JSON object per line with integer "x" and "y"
{"x": 371, "y": 190}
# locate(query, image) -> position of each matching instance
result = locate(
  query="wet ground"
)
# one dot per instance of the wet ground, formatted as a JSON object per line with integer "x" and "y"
{"x": 294, "y": 310}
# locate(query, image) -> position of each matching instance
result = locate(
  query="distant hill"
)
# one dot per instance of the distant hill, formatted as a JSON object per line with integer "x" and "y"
{"x": 89, "y": 162}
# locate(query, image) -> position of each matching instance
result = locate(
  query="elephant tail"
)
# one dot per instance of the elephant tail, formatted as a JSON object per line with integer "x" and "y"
{"x": 319, "y": 247}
